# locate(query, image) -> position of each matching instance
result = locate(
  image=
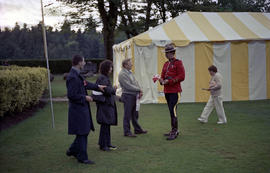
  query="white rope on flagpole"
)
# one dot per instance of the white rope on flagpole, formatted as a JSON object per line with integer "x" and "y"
{"x": 46, "y": 56}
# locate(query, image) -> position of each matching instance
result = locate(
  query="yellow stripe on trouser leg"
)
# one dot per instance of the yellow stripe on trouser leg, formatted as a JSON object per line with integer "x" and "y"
{"x": 175, "y": 106}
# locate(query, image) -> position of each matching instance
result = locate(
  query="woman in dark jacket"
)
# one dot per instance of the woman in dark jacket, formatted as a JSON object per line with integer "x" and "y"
{"x": 106, "y": 108}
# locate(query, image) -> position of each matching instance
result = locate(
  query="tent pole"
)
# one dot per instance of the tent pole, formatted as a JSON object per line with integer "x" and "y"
{"x": 47, "y": 61}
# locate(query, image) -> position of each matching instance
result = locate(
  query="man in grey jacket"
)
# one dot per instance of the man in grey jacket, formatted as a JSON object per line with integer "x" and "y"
{"x": 131, "y": 92}
{"x": 215, "y": 100}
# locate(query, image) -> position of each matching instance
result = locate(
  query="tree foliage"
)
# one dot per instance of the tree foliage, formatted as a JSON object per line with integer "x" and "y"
{"x": 108, "y": 11}
{"x": 120, "y": 19}
{"x": 27, "y": 43}
{"x": 136, "y": 16}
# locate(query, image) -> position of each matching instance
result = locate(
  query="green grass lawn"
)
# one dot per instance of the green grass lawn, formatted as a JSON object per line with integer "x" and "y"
{"x": 58, "y": 86}
{"x": 242, "y": 145}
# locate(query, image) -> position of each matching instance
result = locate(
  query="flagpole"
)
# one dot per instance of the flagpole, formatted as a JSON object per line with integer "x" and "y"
{"x": 47, "y": 61}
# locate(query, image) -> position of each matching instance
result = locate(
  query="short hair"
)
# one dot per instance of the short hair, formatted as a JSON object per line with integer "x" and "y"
{"x": 105, "y": 66}
{"x": 125, "y": 62}
{"x": 76, "y": 59}
{"x": 212, "y": 68}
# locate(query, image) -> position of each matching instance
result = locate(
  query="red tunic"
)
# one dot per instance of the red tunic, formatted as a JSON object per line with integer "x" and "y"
{"x": 173, "y": 71}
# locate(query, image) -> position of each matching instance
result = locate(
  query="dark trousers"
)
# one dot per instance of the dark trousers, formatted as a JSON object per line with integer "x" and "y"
{"x": 79, "y": 147}
{"x": 172, "y": 99}
{"x": 104, "y": 136}
{"x": 130, "y": 113}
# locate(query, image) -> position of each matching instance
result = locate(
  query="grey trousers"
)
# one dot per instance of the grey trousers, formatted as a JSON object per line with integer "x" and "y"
{"x": 130, "y": 113}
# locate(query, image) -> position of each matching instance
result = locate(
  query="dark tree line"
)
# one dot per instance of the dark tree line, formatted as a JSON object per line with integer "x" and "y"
{"x": 27, "y": 43}
{"x": 130, "y": 17}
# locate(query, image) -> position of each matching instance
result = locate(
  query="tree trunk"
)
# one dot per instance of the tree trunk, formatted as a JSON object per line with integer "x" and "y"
{"x": 108, "y": 37}
{"x": 109, "y": 19}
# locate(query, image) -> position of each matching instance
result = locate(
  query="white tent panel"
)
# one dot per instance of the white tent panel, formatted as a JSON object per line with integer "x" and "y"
{"x": 186, "y": 54}
{"x": 118, "y": 57}
{"x": 257, "y": 70}
{"x": 267, "y": 15}
{"x": 159, "y": 37}
{"x": 191, "y": 30}
{"x": 222, "y": 27}
{"x": 222, "y": 60}
{"x": 146, "y": 68}
{"x": 253, "y": 25}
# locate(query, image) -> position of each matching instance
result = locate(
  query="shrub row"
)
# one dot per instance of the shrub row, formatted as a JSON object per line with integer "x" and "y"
{"x": 57, "y": 66}
{"x": 21, "y": 87}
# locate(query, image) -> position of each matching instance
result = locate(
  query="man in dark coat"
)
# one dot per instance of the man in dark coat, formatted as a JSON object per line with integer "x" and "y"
{"x": 79, "y": 115}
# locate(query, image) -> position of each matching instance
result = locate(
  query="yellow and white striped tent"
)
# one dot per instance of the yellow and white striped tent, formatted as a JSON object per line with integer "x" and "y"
{"x": 237, "y": 43}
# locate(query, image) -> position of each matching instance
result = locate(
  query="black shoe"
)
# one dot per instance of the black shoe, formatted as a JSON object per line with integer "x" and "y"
{"x": 69, "y": 153}
{"x": 90, "y": 162}
{"x": 141, "y": 132}
{"x": 175, "y": 133}
{"x": 130, "y": 135}
{"x": 171, "y": 137}
{"x": 167, "y": 134}
{"x": 105, "y": 148}
{"x": 111, "y": 147}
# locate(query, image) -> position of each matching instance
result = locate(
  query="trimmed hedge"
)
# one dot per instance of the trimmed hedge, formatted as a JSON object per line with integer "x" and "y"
{"x": 57, "y": 66}
{"x": 21, "y": 87}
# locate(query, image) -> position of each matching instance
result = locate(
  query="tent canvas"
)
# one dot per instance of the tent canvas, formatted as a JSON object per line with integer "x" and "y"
{"x": 237, "y": 43}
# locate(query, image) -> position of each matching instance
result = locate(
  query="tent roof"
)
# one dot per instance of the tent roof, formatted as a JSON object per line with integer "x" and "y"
{"x": 205, "y": 27}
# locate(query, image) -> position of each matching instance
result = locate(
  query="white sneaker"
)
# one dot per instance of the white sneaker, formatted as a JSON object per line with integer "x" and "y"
{"x": 202, "y": 120}
{"x": 220, "y": 122}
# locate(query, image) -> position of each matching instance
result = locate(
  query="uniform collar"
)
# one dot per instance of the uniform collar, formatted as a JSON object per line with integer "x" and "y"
{"x": 172, "y": 59}
{"x": 76, "y": 69}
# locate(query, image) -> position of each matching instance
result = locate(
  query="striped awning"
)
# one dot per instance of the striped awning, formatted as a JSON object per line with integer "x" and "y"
{"x": 207, "y": 27}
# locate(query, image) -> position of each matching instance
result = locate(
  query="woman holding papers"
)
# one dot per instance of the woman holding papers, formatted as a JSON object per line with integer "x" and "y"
{"x": 106, "y": 108}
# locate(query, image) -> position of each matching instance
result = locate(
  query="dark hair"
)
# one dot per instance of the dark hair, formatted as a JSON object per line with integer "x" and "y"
{"x": 105, "y": 66}
{"x": 76, "y": 59}
{"x": 212, "y": 68}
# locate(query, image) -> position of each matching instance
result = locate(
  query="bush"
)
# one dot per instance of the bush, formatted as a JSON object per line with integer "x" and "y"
{"x": 57, "y": 66}
{"x": 21, "y": 87}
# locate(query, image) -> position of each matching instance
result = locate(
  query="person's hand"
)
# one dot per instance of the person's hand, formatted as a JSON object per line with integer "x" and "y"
{"x": 101, "y": 87}
{"x": 84, "y": 83}
{"x": 166, "y": 81}
{"x": 140, "y": 95}
{"x": 89, "y": 98}
{"x": 161, "y": 81}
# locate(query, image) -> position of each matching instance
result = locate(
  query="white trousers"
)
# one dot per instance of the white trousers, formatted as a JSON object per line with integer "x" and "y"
{"x": 217, "y": 102}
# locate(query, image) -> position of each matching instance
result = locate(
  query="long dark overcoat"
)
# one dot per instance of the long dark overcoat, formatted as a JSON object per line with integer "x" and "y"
{"x": 79, "y": 113}
{"x": 106, "y": 110}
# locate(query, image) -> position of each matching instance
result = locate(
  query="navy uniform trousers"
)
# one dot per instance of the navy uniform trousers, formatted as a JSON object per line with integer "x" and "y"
{"x": 172, "y": 100}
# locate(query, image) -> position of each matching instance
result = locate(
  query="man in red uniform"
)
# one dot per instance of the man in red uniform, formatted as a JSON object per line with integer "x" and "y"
{"x": 173, "y": 73}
